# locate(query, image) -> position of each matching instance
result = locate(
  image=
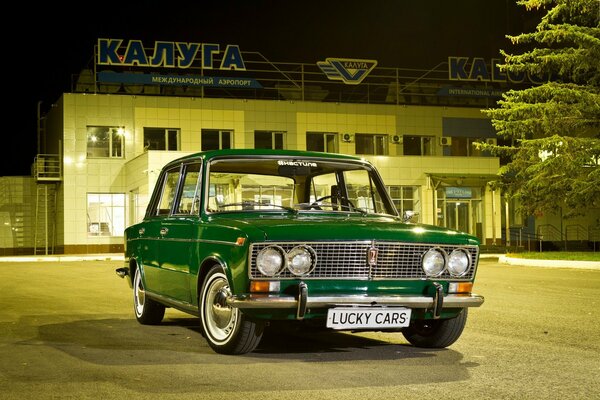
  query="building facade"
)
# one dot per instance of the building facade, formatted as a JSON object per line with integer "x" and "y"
{"x": 106, "y": 140}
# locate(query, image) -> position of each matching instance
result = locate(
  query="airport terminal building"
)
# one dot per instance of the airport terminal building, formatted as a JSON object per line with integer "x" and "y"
{"x": 141, "y": 105}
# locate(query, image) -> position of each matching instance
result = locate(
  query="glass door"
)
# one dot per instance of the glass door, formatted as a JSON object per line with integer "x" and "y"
{"x": 457, "y": 215}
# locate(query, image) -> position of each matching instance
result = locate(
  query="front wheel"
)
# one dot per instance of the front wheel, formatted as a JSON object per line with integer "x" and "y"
{"x": 147, "y": 311}
{"x": 227, "y": 329}
{"x": 436, "y": 333}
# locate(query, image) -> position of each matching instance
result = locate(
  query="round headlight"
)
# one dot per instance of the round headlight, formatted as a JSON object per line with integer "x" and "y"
{"x": 301, "y": 260}
{"x": 269, "y": 260}
{"x": 458, "y": 262}
{"x": 434, "y": 262}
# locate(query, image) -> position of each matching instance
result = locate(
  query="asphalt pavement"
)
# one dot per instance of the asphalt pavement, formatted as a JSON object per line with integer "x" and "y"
{"x": 67, "y": 331}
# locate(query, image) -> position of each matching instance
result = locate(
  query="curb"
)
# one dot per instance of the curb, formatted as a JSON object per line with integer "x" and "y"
{"x": 61, "y": 258}
{"x": 549, "y": 263}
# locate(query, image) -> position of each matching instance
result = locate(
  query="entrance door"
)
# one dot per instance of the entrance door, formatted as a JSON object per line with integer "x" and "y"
{"x": 457, "y": 215}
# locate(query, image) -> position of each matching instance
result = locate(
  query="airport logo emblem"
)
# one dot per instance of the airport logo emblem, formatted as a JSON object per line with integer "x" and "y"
{"x": 348, "y": 70}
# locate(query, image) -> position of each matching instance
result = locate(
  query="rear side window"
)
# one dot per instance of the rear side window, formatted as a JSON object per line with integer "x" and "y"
{"x": 167, "y": 190}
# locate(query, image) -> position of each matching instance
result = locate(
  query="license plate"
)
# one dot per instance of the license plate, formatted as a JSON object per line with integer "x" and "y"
{"x": 362, "y": 317}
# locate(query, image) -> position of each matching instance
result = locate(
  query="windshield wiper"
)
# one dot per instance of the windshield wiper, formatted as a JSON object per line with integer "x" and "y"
{"x": 256, "y": 204}
{"x": 317, "y": 206}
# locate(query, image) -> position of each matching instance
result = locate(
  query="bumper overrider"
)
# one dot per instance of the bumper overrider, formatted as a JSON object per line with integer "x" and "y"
{"x": 302, "y": 302}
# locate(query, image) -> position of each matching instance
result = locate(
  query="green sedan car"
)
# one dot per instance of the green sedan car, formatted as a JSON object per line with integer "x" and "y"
{"x": 244, "y": 237}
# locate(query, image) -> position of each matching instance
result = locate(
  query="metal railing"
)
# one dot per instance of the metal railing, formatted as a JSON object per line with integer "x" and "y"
{"x": 47, "y": 167}
{"x": 576, "y": 232}
{"x": 307, "y": 82}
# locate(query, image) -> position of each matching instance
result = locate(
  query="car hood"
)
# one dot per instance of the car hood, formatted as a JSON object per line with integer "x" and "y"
{"x": 308, "y": 227}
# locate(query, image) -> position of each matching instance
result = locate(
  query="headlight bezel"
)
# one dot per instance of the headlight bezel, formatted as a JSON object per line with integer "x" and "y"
{"x": 429, "y": 254}
{"x": 467, "y": 266}
{"x": 302, "y": 250}
{"x": 276, "y": 268}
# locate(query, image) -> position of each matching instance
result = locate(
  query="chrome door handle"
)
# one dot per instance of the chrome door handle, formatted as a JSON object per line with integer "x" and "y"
{"x": 164, "y": 231}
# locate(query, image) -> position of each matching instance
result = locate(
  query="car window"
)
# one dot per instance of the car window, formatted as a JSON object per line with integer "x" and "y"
{"x": 362, "y": 191}
{"x": 237, "y": 191}
{"x": 169, "y": 189}
{"x": 189, "y": 198}
{"x": 296, "y": 185}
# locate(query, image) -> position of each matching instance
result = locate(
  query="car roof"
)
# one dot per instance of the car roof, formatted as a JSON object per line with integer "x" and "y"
{"x": 207, "y": 155}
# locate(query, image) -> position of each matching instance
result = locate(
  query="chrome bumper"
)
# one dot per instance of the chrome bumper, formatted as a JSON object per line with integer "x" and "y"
{"x": 302, "y": 302}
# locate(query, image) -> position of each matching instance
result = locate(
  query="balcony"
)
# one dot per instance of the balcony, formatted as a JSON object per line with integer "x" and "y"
{"x": 47, "y": 168}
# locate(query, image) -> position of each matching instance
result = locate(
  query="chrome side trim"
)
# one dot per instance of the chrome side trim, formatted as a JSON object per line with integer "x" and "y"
{"x": 277, "y": 301}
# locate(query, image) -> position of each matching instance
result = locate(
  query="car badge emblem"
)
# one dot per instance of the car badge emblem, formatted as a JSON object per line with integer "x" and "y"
{"x": 372, "y": 256}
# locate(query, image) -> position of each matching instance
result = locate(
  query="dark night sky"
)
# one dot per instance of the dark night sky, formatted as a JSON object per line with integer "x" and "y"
{"x": 52, "y": 45}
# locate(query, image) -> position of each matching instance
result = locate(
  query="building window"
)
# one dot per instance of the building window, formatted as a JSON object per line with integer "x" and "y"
{"x": 105, "y": 141}
{"x": 162, "y": 139}
{"x": 215, "y": 139}
{"x": 418, "y": 145}
{"x": 465, "y": 147}
{"x": 269, "y": 140}
{"x": 106, "y": 214}
{"x": 407, "y": 201}
{"x": 322, "y": 141}
{"x": 370, "y": 144}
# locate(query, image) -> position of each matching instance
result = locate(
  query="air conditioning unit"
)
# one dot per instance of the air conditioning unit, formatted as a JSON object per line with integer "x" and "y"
{"x": 396, "y": 139}
{"x": 445, "y": 141}
{"x": 491, "y": 141}
{"x": 347, "y": 137}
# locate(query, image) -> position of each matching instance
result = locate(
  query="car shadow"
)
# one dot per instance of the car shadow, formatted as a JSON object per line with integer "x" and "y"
{"x": 179, "y": 340}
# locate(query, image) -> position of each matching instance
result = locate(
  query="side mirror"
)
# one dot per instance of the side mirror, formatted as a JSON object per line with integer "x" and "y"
{"x": 408, "y": 215}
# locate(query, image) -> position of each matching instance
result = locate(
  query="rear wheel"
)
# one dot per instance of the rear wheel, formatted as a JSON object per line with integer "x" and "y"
{"x": 436, "y": 333}
{"x": 227, "y": 329}
{"x": 147, "y": 311}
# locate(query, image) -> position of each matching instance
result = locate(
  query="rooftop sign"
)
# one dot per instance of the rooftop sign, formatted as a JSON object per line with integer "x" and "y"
{"x": 169, "y": 55}
{"x": 464, "y": 69}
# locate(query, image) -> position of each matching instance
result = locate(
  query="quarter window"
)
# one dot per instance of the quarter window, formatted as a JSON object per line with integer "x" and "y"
{"x": 168, "y": 190}
{"x": 189, "y": 199}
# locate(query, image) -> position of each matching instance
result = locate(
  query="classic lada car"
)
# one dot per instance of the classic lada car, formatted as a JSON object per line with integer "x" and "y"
{"x": 244, "y": 237}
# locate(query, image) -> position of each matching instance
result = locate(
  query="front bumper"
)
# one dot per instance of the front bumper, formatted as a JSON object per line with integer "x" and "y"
{"x": 302, "y": 302}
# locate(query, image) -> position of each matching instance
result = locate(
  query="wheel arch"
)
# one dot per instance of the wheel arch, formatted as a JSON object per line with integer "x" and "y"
{"x": 206, "y": 265}
{"x": 133, "y": 266}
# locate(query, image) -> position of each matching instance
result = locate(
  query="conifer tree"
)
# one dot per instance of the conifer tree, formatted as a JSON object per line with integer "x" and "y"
{"x": 553, "y": 127}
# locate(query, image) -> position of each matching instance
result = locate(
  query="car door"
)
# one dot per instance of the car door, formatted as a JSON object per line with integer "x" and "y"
{"x": 177, "y": 250}
{"x": 152, "y": 231}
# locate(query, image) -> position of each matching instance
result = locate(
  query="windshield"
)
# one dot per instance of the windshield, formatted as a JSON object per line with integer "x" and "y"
{"x": 307, "y": 185}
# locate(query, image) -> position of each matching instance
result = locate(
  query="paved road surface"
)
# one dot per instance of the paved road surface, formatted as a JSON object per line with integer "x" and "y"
{"x": 67, "y": 332}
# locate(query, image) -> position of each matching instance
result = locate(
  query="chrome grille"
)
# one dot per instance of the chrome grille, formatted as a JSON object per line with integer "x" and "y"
{"x": 348, "y": 260}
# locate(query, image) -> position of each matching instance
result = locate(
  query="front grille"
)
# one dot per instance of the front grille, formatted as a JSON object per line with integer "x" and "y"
{"x": 348, "y": 260}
